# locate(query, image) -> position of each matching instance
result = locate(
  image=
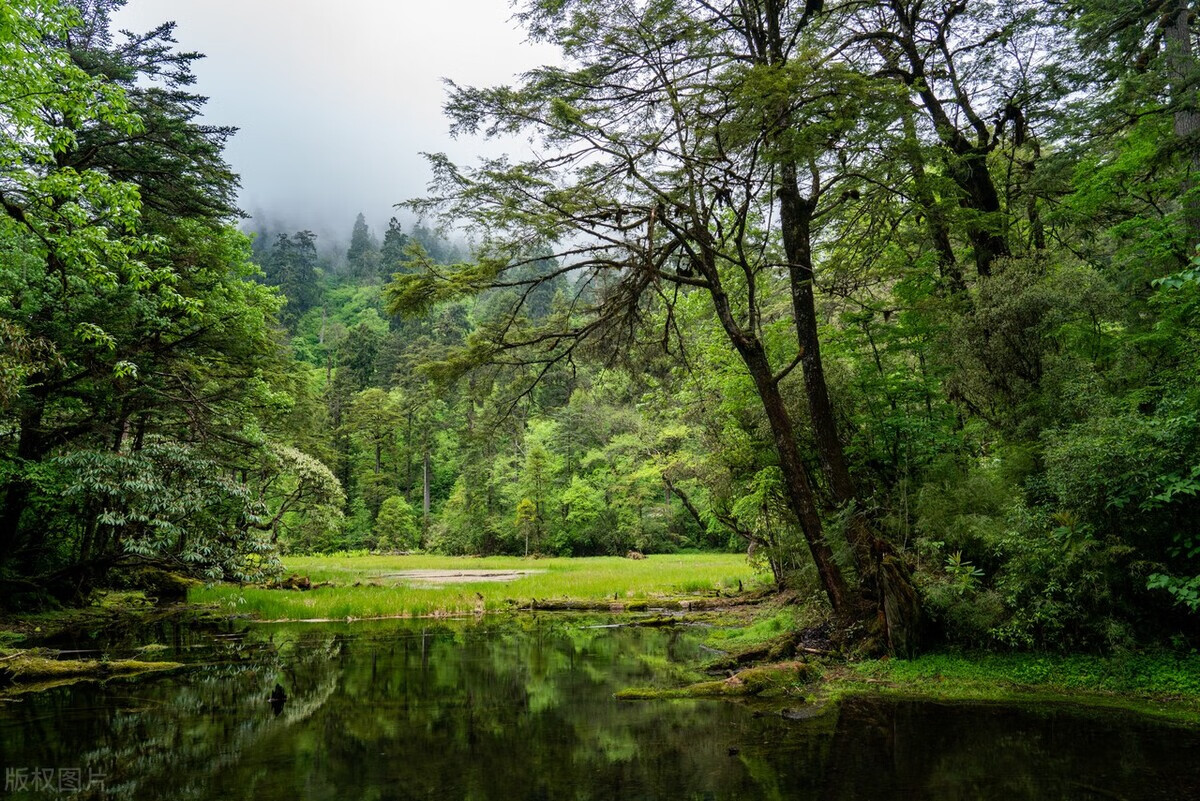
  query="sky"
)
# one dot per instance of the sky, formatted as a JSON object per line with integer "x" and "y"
{"x": 336, "y": 99}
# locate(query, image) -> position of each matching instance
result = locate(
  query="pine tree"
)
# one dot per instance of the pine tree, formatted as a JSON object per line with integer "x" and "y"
{"x": 363, "y": 255}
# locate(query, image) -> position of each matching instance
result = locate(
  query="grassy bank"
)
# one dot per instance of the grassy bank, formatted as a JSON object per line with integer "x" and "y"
{"x": 365, "y": 586}
{"x": 1163, "y": 685}
{"x": 760, "y": 656}
{"x": 1158, "y": 686}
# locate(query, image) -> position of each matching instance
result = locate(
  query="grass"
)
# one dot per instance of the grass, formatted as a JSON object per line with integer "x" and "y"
{"x": 614, "y": 579}
{"x": 1146, "y": 674}
{"x": 1158, "y": 684}
{"x": 765, "y": 625}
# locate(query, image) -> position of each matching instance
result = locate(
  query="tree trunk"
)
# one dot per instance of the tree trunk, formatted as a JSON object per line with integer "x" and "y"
{"x": 408, "y": 460}
{"x": 901, "y": 606}
{"x": 765, "y": 40}
{"x": 795, "y": 216}
{"x": 970, "y": 171}
{"x": 425, "y": 501}
{"x": 800, "y": 495}
{"x": 887, "y": 589}
{"x": 1181, "y": 61}
{"x": 966, "y": 160}
{"x": 796, "y": 482}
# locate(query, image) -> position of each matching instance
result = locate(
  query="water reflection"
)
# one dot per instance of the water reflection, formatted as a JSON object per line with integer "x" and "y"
{"x": 525, "y": 711}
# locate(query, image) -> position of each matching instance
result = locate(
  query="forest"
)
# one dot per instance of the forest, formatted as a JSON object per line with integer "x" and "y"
{"x": 899, "y": 297}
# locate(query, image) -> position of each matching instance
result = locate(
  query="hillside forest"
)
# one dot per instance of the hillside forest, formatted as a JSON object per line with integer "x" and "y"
{"x": 898, "y": 297}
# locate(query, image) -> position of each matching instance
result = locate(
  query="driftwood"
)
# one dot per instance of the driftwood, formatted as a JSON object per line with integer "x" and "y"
{"x": 575, "y": 605}
{"x": 616, "y": 605}
{"x": 38, "y": 666}
{"x": 292, "y": 582}
{"x": 652, "y": 622}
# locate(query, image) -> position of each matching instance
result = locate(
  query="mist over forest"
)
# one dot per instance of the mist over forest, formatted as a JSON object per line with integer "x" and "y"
{"x": 333, "y": 237}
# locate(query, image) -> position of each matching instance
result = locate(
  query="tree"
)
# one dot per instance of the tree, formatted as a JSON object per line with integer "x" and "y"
{"x": 169, "y": 506}
{"x": 528, "y": 522}
{"x": 363, "y": 255}
{"x": 395, "y": 248}
{"x": 147, "y": 352}
{"x": 808, "y": 134}
{"x": 292, "y": 267}
{"x": 660, "y": 169}
{"x": 396, "y": 525}
{"x": 434, "y": 244}
{"x": 47, "y": 205}
{"x": 372, "y": 422}
{"x": 944, "y": 54}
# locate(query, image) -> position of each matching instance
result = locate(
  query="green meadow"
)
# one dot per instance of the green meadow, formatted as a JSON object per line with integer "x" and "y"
{"x": 366, "y": 586}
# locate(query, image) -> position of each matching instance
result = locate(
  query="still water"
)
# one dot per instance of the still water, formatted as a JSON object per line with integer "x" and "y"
{"x": 466, "y": 710}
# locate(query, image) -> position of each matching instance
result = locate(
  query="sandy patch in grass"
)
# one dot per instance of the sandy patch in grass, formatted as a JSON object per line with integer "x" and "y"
{"x": 437, "y": 578}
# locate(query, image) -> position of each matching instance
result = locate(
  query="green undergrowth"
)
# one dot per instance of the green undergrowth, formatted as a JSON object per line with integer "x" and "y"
{"x": 766, "y": 624}
{"x": 380, "y": 594}
{"x": 1159, "y": 684}
{"x": 8, "y": 639}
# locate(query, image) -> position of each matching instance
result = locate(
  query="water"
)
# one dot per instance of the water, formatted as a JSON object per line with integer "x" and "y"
{"x": 463, "y": 710}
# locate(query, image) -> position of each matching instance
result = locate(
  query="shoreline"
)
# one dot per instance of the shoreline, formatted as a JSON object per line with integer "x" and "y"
{"x": 751, "y": 637}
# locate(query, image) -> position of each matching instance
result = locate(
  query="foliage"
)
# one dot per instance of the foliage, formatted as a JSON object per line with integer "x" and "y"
{"x": 831, "y": 283}
{"x": 396, "y": 525}
{"x": 144, "y": 382}
{"x": 167, "y": 504}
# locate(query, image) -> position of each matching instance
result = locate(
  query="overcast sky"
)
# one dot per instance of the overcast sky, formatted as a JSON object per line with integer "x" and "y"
{"x": 336, "y": 99}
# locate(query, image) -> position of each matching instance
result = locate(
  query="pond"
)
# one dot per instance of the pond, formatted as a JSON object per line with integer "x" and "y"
{"x": 525, "y": 710}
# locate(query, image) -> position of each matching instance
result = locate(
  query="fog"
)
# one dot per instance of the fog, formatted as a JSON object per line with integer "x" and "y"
{"x": 335, "y": 101}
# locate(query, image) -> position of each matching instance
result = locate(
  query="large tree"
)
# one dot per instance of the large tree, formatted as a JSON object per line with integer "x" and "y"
{"x": 677, "y": 138}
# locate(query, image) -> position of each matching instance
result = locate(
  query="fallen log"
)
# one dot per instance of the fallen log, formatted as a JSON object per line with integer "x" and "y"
{"x": 25, "y": 667}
